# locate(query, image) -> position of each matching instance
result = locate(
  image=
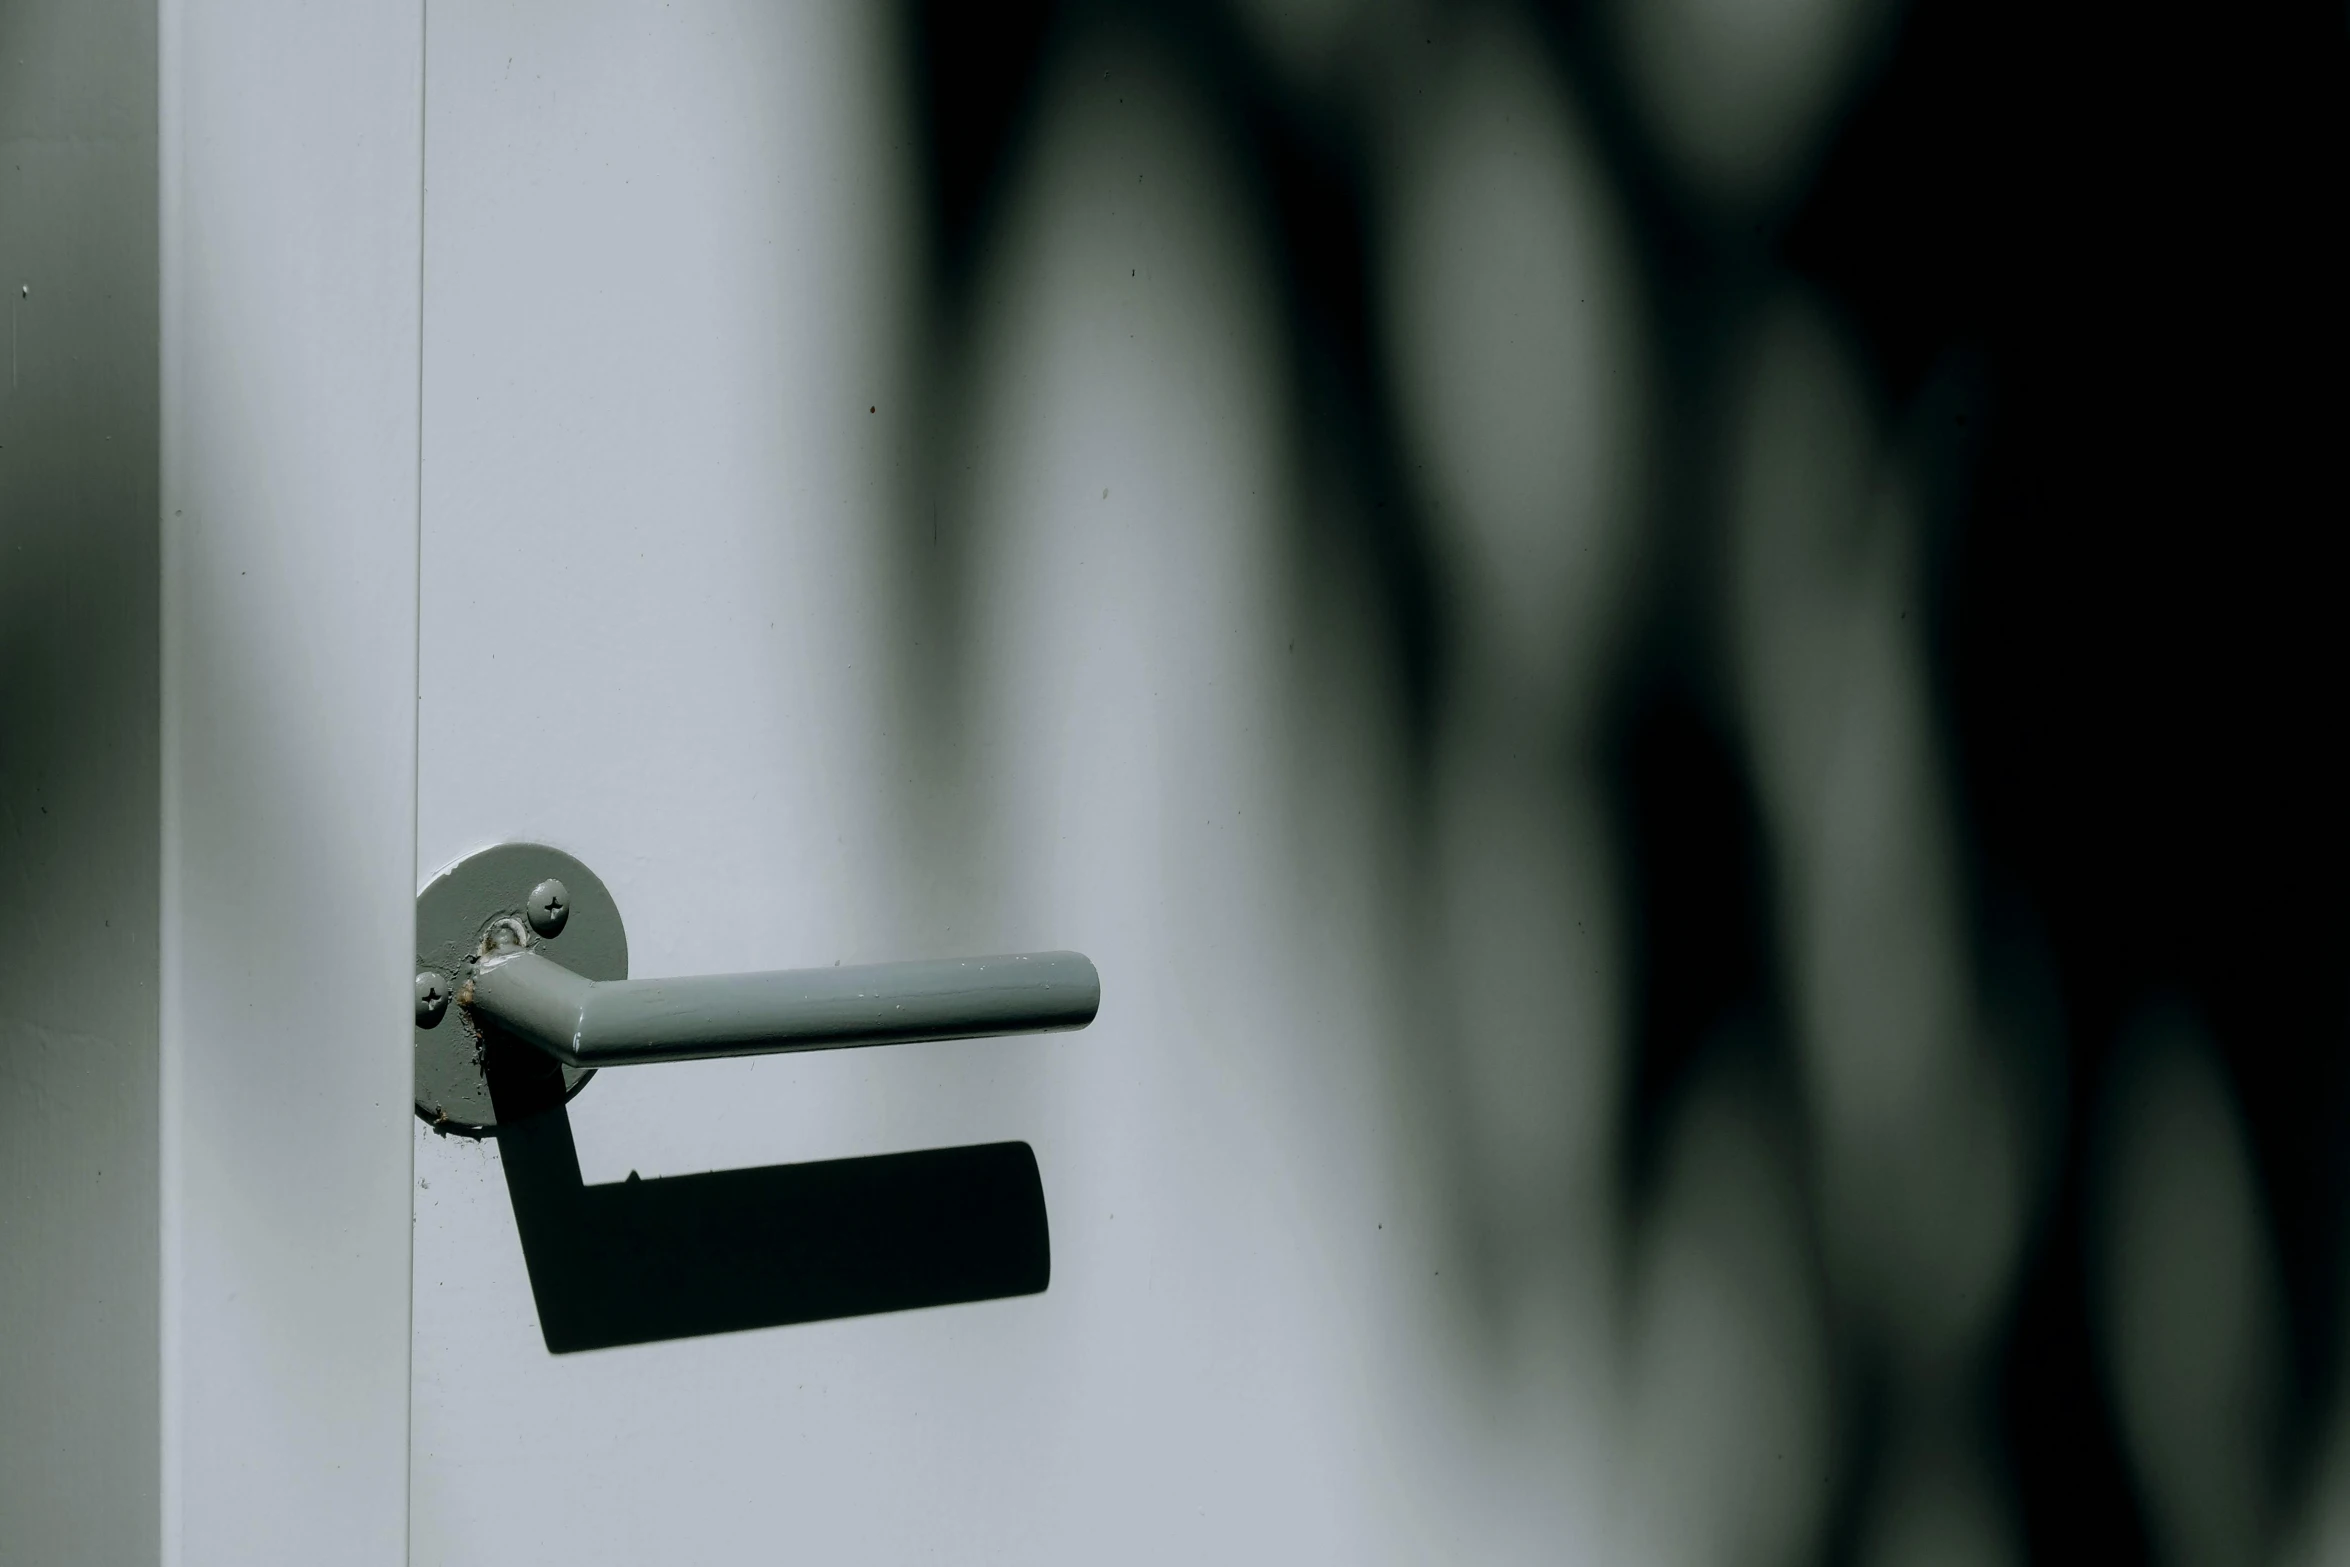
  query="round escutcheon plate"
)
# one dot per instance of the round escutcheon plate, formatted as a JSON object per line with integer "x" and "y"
{"x": 468, "y": 1078}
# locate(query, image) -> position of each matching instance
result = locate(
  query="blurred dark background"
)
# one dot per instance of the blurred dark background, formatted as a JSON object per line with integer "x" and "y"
{"x": 2092, "y": 255}
{"x": 2133, "y": 215}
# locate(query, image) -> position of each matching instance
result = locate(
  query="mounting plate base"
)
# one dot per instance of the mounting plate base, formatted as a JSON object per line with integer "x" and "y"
{"x": 481, "y": 902}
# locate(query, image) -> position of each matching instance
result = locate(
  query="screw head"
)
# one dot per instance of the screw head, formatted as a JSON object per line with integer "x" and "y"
{"x": 550, "y": 906}
{"x": 432, "y": 998}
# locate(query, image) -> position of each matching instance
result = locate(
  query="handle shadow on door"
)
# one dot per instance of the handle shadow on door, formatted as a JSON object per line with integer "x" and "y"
{"x": 641, "y": 1261}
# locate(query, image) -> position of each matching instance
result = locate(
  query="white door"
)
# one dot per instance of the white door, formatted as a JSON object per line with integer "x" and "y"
{"x": 819, "y": 638}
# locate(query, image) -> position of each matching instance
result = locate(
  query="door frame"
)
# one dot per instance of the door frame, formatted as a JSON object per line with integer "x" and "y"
{"x": 290, "y": 151}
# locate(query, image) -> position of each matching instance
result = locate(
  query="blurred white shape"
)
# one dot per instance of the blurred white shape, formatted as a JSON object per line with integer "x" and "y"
{"x": 1802, "y": 470}
{"x": 1923, "y": 1141}
{"x": 1728, "y": 1446}
{"x": 1887, "y": 993}
{"x": 1519, "y": 379}
{"x": 1527, "y": 891}
{"x": 1210, "y": 1147}
{"x": 2187, "y": 1300}
{"x": 1739, "y": 94}
{"x": 1515, "y": 316}
{"x": 1923, "y": 1157}
{"x": 1129, "y": 476}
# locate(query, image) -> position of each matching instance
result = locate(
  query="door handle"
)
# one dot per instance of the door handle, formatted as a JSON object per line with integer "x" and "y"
{"x": 626, "y": 1022}
{"x": 524, "y": 944}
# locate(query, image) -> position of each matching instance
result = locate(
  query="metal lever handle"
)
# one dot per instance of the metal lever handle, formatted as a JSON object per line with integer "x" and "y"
{"x": 585, "y": 1022}
{"x": 528, "y": 944}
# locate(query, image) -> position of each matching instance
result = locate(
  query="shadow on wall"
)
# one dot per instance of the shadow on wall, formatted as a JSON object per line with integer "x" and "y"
{"x": 1780, "y": 595}
{"x": 638, "y": 1262}
{"x": 79, "y": 781}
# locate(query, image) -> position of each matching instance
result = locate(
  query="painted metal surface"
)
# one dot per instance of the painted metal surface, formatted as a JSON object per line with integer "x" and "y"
{"x": 480, "y": 896}
{"x": 586, "y": 1023}
{"x": 548, "y": 969}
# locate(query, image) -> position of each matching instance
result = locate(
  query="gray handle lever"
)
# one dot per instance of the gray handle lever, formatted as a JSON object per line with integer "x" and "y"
{"x": 585, "y": 1022}
{"x": 521, "y": 955}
